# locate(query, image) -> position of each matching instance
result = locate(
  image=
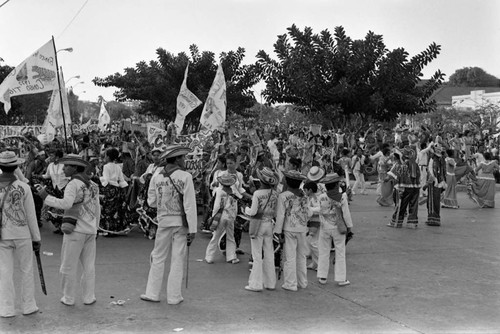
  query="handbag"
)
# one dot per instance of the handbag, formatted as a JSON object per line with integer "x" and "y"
{"x": 1, "y": 205}
{"x": 254, "y": 226}
{"x": 181, "y": 202}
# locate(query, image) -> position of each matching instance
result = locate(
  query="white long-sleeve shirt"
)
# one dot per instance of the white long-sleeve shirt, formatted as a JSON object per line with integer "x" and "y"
{"x": 163, "y": 196}
{"x": 18, "y": 212}
{"x": 328, "y": 214}
{"x": 90, "y": 212}
{"x": 112, "y": 174}
{"x": 56, "y": 174}
{"x": 292, "y": 213}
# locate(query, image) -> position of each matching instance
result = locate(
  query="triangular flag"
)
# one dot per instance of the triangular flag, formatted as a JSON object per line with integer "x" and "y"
{"x": 54, "y": 112}
{"x": 186, "y": 102}
{"x": 104, "y": 118}
{"x": 213, "y": 115}
{"x": 36, "y": 74}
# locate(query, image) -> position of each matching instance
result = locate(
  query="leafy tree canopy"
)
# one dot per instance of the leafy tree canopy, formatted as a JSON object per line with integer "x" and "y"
{"x": 341, "y": 77}
{"x": 473, "y": 77}
{"x": 158, "y": 82}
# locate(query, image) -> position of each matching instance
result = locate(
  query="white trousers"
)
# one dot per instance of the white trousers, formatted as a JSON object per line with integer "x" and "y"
{"x": 22, "y": 251}
{"x": 324, "y": 247}
{"x": 224, "y": 225}
{"x": 263, "y": 273}
{"x": 78, "y": 248}
{"x": 170, "y": 241}
{"x": 360, "y": 181}
{"x": 423, "y": 179}
{"x": 295, "y": 269}
{"x": 312, "y": 243}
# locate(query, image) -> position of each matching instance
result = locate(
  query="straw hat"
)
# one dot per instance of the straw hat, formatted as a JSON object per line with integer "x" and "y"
{"x": 175, "y": 150}
{"x": 73, "y": 160}
{"x": 267, "y": 176}
{"x": 331, "y": 178}
{"x": 315, "y": 173}
{"x": 227, "y": 180}
{"x": 9, "y": 158}
{"x": 294, "y": 175}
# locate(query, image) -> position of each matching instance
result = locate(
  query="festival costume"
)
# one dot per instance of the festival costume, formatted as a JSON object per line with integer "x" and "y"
{"x": 482, "y": 190}
{"x": 292, "y": 214}
{"x": 407, "y": 177}
{"x": 171, "y": 236}
{"x": 385, "y": 197}
{"x": 330, "y": 209}
{"x": 226, "y": 224}
{"x": 450, "y": 194}
{"x": 435, "y": 186}
{"x": 19, "y": 228}
{"x": 113, "y": 204}
{"x": 80, "y": 202}
{"x": 263, "y": 210}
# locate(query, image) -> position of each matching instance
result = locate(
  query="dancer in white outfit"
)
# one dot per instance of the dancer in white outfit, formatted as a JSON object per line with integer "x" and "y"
{"x": 82, "y": 212}
{"x": 19, "y": 235}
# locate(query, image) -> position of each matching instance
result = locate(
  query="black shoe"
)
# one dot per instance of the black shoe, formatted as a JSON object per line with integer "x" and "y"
{"x": 58, "y": 231}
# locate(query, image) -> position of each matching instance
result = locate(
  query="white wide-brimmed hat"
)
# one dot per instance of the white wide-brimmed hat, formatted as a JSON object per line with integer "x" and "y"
{"x": 9, "y": 158}
{"x": 315, "y": 173}
{"x": 73, "y": 160}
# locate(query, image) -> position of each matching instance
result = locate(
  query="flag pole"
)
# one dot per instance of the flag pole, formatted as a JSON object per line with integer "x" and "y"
{"x": 60, "y": 97}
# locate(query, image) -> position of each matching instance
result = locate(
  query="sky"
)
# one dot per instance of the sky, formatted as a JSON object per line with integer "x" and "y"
{"x": 109, "y": 35}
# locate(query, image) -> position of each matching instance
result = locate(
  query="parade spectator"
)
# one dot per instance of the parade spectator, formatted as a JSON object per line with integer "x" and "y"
{"x": 450, "y": 194}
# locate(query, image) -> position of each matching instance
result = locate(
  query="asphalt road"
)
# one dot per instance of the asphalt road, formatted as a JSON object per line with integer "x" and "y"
{"x": 429, "y": 280}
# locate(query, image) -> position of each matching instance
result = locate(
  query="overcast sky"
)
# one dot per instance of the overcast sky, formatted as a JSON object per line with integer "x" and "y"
{"x": 109, "y": 35}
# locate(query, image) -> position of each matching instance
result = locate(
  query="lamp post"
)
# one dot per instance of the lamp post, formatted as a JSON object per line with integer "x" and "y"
{"x": 75, "y": 77}
{"x": 70, "y": 49}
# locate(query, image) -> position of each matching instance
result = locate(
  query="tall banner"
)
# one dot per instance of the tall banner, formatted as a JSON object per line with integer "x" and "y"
{"x": 157, "y": 137}
{"x": 213, "y": 115}
{"x": 36, "y": 74}
{"x": 186, "y": 102}
{"x": 104, "y": 118}
{"x": 54, "y": 112}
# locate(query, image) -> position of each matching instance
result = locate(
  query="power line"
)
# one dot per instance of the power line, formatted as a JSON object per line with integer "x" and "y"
{"x": 4, "y": 3}
{"x": 74, "y": 17}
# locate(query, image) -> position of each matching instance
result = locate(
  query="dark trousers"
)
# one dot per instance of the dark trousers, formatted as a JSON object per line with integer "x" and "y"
{"x": 407, "y": 202}
{"x": 434, "y": 206}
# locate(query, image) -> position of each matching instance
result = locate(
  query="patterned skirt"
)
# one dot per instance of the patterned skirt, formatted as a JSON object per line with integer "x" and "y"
{"x": 113, "y": 209}
{"x": 482, "y": 191}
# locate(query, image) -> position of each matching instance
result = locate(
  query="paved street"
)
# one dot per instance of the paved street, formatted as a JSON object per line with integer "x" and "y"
{"x": 429, "y": 280}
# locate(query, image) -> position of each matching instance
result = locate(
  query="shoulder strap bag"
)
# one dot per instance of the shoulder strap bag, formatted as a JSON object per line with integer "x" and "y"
{"x": 181, "y": 201}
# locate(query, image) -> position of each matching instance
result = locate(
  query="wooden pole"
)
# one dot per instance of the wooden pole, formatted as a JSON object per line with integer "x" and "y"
{"x": 60, "y": 97}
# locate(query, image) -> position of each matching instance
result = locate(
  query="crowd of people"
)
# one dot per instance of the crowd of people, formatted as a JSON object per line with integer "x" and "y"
{"x": 290, "y": 188}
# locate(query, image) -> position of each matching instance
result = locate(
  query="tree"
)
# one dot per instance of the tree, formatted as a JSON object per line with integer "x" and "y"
{"x": 118, "y": 111}
{"x": 473, "y": 77}
{"x": 158, "y": 82}
{"x": 344, "y": 78}
{"x": 26, "y": 109}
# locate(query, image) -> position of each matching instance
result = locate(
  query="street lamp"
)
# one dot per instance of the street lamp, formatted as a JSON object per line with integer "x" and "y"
{"x": 67, "y": 49}
{"x": 76, "y": 76}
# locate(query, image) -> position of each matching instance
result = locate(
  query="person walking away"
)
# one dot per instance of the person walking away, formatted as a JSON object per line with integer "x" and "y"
{"x": 292, "y": 214}
{"x": 436, "y": 184}
{"x": 19, "y": 236}
{"x": 482, "y": 190}
{"x": 262, "y": 212}
{"x": 385, "y": 197}
{"x": 173, "y": 235}
{"x": 82, "y": 212}
{"x": 450, "y": 195}
{"x": 226, "y": 205}
{"x": 358, "y": 163}
{"x": 334, "y": 210}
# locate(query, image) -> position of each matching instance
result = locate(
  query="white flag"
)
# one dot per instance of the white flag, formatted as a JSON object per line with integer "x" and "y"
{"x": 186, "y": 102}
{"x": 54, "y": 112}
{"x": 104, "y": 118}
{"x": 213, "y": 115}
{"x": 36, "y": 74}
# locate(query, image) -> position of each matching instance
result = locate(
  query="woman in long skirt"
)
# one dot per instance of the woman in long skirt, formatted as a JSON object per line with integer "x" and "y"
{"x": 384, "y": 165}
{"x": 450, "y": 194}
{"x": 113, "y": 204}
{"x": 482, "y": 190}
